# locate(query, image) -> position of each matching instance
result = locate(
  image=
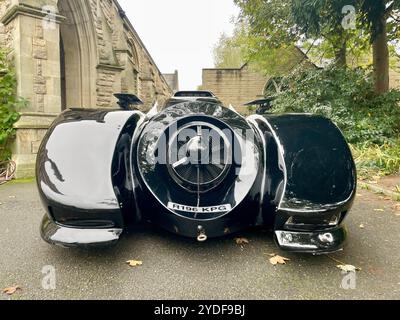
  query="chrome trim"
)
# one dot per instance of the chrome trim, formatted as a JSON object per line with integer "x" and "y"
{"x": 255, "y": 117}
{"x": 312, "y": 242}
{"x": 63, "y": 236}
{"x": 263, "y": 183}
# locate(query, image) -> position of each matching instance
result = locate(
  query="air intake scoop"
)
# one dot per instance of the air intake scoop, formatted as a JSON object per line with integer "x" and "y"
{"x": 201, "y": 156}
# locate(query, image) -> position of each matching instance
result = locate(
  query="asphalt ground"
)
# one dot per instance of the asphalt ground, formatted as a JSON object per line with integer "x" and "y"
{"x": 178, "y": 268}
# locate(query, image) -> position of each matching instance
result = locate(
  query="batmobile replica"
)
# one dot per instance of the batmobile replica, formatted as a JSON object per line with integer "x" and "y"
{"x": 197, "y": 169}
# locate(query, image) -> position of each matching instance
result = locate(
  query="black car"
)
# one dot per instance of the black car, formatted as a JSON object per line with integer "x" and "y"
{"x": 196, "y": 169}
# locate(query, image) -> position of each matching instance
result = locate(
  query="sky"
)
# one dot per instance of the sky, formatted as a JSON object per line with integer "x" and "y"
{"x": 180, "y": 34}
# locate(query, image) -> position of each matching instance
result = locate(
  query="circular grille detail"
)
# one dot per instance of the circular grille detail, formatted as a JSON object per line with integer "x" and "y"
{"x": 200, "y": 155}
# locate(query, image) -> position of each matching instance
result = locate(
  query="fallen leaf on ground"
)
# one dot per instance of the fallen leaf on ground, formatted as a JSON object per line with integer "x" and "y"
{"x": 241, "y": 241}
{"x": 362, "y": 226}
{"x": 11, "y": 290}
{"x": 348, "y": 268}
{"x": 276, "y": 259}
{"x": 134, "y": 263}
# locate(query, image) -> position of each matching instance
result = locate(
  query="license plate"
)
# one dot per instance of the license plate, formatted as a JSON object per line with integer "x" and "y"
{"x": 214, "y": 209}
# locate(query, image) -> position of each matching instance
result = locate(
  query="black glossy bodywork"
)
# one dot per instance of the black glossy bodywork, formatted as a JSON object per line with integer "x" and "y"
{"x": 239, "y": 188}
{"x": 310, "y": 180}
{"x": 128, "y": 101}
{"x": 101, "y": 170}
{"x": 263, "y": 105}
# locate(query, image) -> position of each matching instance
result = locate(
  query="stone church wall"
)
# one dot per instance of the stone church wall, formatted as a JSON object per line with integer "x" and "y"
{"x": 72, "y": 53}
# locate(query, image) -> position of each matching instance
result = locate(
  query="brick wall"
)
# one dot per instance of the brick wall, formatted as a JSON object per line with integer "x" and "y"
{"x": 239, "y": 86}
{"x": 172, "y": 80}
{"x": 234, "y": 86}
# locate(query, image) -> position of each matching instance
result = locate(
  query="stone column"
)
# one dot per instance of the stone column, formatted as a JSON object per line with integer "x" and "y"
{"x": 147, "y": 86}
{"x": 35, "y": 43}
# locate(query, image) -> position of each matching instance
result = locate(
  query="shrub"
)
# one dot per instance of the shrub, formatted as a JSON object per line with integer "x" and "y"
{"x": 370, "y": 122}
{"x": 347, "y": 97}
{"x": 377, "y": 160}
{"x": 9, "y": 104}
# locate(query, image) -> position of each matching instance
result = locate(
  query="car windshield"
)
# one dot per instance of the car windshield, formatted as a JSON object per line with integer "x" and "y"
{"x": 171, "y": 102}
{"x": 200, "y": 94}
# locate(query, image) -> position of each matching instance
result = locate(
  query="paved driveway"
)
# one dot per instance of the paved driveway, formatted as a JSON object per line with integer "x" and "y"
{"x": 176, "y": 268}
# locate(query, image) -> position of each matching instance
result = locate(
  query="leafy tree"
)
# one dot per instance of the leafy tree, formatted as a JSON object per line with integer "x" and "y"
{"x": 332, "y": 22}
{"x": 229, "y": 51}
{"x": 319, "y": 25}
{"x": 380, "y": 18}
{"x": 271, "y": 35}
{"x": 378, "y": 23}
{"x": 278, "y": 24}
{"x": 270, "y": 20}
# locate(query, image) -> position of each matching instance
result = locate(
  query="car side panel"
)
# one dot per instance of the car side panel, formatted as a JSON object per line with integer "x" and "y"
{"x": 310, "y": 180}
{"x": 75, "y": 168}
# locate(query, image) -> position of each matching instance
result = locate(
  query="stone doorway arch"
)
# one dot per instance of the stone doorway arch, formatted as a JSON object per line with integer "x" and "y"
{"x": 78, "y": 55}
{"x": 71, "y": 53}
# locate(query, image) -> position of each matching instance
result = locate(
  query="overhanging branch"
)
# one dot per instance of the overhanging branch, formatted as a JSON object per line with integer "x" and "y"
{"x": 389, "y": 9}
